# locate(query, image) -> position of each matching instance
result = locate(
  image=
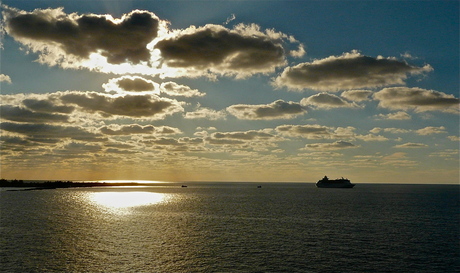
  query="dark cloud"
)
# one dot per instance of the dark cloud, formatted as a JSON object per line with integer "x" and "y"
{"x": 307, "y": 131}
{"x": 419, "y": 99}
{"x": 251, "y": 139}
{"x": 135, "y": 84}
{"x": 12, "y": 141}
{"x": 137, "y": 129}
{"x": 47, "y": 131}
{"x": 244, "y": 136}
{"x": 122, "y": 40}
{"x": 325, "y": 100}
{"x": 129, "y": 105}
{"x": 47, "y": 106}
{"x": 244, "y": 50}
{"x": 128, "y": 130}
{"x": 348, "y": 71}
{"x": 16, "y": 113}
{"x": 276, "y": 110}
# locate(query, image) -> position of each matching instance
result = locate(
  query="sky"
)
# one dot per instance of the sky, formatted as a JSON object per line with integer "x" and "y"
{"x": 230, "y": 90}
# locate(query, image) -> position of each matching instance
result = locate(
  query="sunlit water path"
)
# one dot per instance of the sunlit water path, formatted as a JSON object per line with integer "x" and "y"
{"x": 231, "y": 227}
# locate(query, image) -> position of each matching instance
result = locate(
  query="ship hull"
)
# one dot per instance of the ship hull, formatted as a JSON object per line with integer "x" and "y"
{"x": 335, "y": 185}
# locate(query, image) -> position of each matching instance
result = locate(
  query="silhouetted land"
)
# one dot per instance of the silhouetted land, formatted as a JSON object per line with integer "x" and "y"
{"x": 60, "y": 184}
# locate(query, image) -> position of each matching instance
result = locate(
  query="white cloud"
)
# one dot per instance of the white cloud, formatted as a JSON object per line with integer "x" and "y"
{"x": 431, "y": 130}
{"x": 327, "y": 101}
{"x": 175, "y": 89}
{"x": 400, "y": 115}
{"x": 205, "y": 113}
{"x": 411, "y": 145}
{"x": 357, "y": 95}
{"x": 371, "y": 137}
{"x": 5, "y": 78}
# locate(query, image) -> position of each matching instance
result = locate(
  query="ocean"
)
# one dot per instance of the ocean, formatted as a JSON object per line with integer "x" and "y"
{"x": 232, "y": 227}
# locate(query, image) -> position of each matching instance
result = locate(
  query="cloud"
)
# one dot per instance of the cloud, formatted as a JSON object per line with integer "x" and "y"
{"x": 398, "y": 160}
{"x": 135, "y": 106}
{"x": 44, "y": 132}
{"x": 348, "y": 71}
{"x": 418, "y": 99}
{"x": 241, "y": 51}
{"x": 248, "y": 135}
{"x": 19, "y": 114}
{"x": 5, "y": 78}
{"x": 315, "y": 131}
{"x": 306, "y": 131}
{"x": 377, "y": 130}
{"x": 431, "y": 130}
{"x": 71, "y": 37}
{"x": 371, "y": 137}
{"x": 338, "y": 145}
{"x": 357, "y": 95}
{"x": 46, "y": 106}
{"x": 205, "y": 113}
{"x": 135, "y": 129}
{"x": 275, "y": 110}
{"x": 131, "y": 84}
{"x": 230, "y": 18}
{"x": 79, "y": 148}
{"x": 175, "y": 89}
{"x": 411, "y": 145}
{"x": 395, "y": 116}
{"x": 251, "y": 139}
{"x": 327, "y": 101}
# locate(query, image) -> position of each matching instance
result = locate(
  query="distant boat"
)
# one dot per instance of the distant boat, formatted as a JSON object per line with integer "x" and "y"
{"x": 184, "y": 186}
{"x": 259, "y": 187}
{"x": 334, "y": 183}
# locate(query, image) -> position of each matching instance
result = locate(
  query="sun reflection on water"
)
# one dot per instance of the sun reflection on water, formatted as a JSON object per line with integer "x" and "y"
{"x": 125, "y": 200}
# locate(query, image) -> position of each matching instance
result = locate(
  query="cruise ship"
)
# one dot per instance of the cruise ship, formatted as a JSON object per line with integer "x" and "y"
{"x": 334, "y": 183}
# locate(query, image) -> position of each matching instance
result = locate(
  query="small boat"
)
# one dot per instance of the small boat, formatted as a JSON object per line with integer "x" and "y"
{"x": 334, "y": 183}
{"x": 184, "y": 186}
{"x": 259, "y": 187}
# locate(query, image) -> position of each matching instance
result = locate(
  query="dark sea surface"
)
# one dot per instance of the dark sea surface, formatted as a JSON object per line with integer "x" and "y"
{"x": 232, "y": 227}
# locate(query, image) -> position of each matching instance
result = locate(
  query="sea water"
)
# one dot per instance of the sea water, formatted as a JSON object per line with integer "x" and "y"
{"x": 232, "y": 227}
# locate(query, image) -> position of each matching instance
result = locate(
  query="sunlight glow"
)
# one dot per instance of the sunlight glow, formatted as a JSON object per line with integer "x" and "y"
{"x": 121, "y": 200}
